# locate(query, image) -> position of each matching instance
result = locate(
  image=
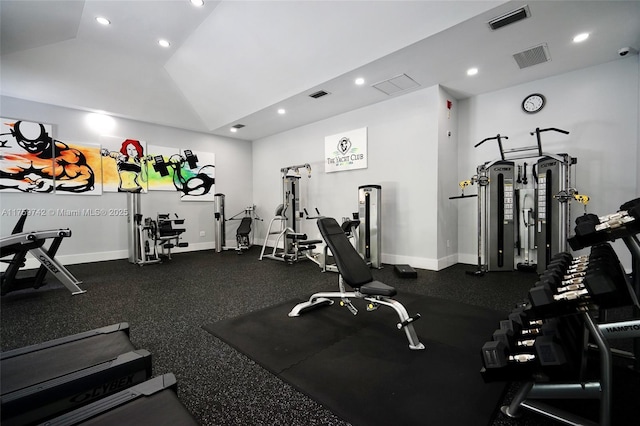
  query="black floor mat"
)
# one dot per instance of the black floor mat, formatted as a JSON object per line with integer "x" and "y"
{"x": 361, "y": 367}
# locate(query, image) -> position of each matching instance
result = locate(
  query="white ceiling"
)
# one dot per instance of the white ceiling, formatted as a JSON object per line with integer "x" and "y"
{"x": 237, "y": 62}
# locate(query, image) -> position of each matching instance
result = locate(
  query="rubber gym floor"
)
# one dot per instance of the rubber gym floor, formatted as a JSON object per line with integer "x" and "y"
{"x": 167, "y": 304}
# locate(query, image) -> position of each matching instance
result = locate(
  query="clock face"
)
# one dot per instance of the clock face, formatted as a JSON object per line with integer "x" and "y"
{"x": 533, "y": 103}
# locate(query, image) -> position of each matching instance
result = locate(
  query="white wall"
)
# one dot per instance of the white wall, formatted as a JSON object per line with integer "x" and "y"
{"x": 104, "y": 237}
{"x": 403, "y": 159}
{"x": 410, "y": 155}
{"x": 597, "y": 105}
{"x": 447, "y": 179}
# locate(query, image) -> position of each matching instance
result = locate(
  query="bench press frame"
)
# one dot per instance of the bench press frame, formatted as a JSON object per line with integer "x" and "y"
{"x": 374, "y": 292}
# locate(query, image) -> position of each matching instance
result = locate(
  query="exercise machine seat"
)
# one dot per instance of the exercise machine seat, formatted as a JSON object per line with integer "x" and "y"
{"x": 245, "y": 227}
{"x": 166, "y": 228}
{"x": 352, "y": 267}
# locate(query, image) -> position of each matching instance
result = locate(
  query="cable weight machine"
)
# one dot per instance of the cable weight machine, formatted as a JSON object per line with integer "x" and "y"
{"x": 291, "y": 245}
{"x": 150, "y": 239}
{"x": 505, "y": 219}
{"x": 370, "y": 217}
{"x": 244, "y": 232}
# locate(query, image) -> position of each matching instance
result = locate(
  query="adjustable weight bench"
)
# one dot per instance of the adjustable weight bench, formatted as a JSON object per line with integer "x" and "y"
{"x": 354, "y": 272}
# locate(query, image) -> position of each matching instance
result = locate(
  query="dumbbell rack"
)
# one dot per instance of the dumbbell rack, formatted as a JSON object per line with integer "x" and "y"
{"x": 603, "y": 286}
{"x": 529, "y": 396}
{"x": 623, "y": 225}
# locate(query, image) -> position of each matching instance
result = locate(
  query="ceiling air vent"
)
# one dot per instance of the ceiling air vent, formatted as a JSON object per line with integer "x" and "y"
{"x": 534, "y": 56}
{"x": 396, "y": 84}
{"x": 510, "y": 18}
{"x": 319, "y": 94}
{"x": 238, "y": 126}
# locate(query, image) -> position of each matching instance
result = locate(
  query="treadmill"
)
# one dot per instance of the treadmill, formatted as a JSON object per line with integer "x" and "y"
{"x": 152, "y": 402}
{"x": 42, "y": 381}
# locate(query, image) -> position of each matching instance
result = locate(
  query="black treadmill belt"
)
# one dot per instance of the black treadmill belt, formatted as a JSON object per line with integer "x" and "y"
{"x": 160, "y": 409}
{"x": 46, "y": 364}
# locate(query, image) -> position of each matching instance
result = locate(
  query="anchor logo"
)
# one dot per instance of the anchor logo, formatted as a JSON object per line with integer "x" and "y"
{"x": 344, "y": 145}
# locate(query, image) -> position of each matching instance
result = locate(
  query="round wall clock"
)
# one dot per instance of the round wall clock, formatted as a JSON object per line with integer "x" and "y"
{"x": 533, "y": 103}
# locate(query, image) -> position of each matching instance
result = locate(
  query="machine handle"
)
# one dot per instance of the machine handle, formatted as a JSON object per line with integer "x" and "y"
{"x": 408, "y": 321}
{"x": 488, "y": 139}
{"x": 538, "y": 130}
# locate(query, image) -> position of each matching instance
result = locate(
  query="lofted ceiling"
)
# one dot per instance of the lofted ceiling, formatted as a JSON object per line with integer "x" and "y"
{"x": 236, "y": 62}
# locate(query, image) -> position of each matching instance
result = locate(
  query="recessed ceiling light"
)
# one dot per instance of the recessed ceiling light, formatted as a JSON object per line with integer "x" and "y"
{"x": 359, "y": 81}
{"x": 103, "y": 21}
{"x": 282, "y": 111}
{"x": 233, "y": 129}
{"x": 164, "y": 43}
{"x": 197, "y": 2}
{"x": 472, "y": 71}
{"x": 580, "y": 37}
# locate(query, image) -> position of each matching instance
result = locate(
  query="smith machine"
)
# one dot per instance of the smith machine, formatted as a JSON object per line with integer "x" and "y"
{"x": 522, "y": 223}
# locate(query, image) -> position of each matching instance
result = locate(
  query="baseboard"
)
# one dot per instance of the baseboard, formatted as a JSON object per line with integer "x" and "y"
{"x": 416, "y": 262}
{"x": 391, "y": 259}
{"x": 469, "y": 259}
{"x": 74, "y": 259}
{"x": 447, "y": 261}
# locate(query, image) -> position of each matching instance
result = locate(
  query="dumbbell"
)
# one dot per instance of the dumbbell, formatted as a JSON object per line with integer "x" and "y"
{"x": 591, "y": 229}
{"x": 632, "y": 204}
{"x": 632, "y": 208}
{"x": 561, "y": 280}
{"x": 562, "y": 256}
{"x": 543, "y": 296}
{"x": 565, "y": 259}
{"x": 602, "y": 280}
{"x": 563, "y": 273}
{"x": 519, "y": 323}
{"x": 495, "y": 354}
{"x": 520, "y": 318}
{"x": 586, "y": 225}
{"x": 548, "y": 352}
{"x": 606, "y": 281}
{"x": 525, "y": 337}
{"x": 563, "y": 270}
{"x": 614, "y": 221}
{"x": 566, "y": 283}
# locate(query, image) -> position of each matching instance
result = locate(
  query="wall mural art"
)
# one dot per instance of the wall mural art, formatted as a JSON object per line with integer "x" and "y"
{"x": 124, "y": 165}
{"x": 32, "y": 161}
{"x": 91, "y": 154}
{"x": 161, "y": 164}
{"x": 196, "y": 178}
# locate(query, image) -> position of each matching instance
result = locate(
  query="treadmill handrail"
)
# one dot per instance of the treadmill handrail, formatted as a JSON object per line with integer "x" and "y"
{"x": 31, "y": 236}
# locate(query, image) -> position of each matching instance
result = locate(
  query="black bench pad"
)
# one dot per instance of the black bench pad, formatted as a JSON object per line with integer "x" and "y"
{"x": 376, "y": 288}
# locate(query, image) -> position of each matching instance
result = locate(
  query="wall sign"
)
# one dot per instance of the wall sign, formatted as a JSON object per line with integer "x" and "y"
{"x": 346, "y": 151}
